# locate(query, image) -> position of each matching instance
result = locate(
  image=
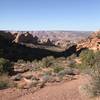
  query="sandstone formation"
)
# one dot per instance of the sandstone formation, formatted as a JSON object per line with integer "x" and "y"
{"x": 62, "y": 43}
{"x": 48, "y": 38}
{"x": 25, "y": 38}
{"x": 92, "y": 42}
{"x": 28, "y": 38}
{"x": 46, "y": 41}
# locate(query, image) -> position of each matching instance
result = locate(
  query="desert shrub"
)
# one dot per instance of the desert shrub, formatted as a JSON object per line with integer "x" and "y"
{"x": 71, "y": 63}
{"x": 93, "y": 88}
{"x": 73, "y": 56}
{"x": 88, "y": 59}
{"x": 36, "y": 65}
{"x": 46, "y": 77}
{"x": 95, "y": 84}
{"x": 5, "y": 66}
{"x": 5, "y": 82}
{"x": 21, "y": 61}
{"x": 91, "y": 64}
{"x": 98, "y": 36}
{"x": 57, "y": 69}
{"x": 3, "y": 85}
{"x": 49, "y": 72}
{"x": 47, "y": 62}
{"x": 66, "y": 71}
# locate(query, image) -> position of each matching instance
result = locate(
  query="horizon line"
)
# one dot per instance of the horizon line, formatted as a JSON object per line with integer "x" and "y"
{"x": 48, "y": 30}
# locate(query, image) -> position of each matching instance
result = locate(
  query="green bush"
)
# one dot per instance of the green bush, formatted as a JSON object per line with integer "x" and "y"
{"x": 71, "y": 63}
{"x": 88, "y": 59}
{"x": 93, "y": 88}
{"x": 3, "y": 85}
{"x": 57, "y": 69}
{"x": 91, "y": 64}
{"x": 48, "y": 61}
{"x": 5, "y": 82}
{"x": 66, "y": 71}
{"x": 5, "y": 66}
{"x": 21, "y": 61}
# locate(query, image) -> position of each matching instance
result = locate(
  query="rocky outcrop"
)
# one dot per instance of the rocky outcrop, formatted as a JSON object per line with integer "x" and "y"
{"x": 46, "y": 41}
{"x": 92, "y": 42}
{"x": 62, "y": 43}
{"x": 25, "y": 38}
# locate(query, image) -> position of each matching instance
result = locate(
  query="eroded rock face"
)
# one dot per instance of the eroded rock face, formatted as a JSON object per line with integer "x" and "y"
{"x": 25, "y": 38}
{"x": 46, "y": 41}
{"x": 92, "y": 42}
{"x": 62, "y": 43}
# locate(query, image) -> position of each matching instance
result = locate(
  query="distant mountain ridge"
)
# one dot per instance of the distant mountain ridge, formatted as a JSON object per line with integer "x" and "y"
{"x": 56, "y": 35}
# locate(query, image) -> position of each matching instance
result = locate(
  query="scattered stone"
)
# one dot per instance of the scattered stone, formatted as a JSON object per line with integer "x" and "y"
{"x": 45, "y": 78}
{"x": 16, "y": 77}
{"x": 65, "y": 78}
{"x": 76, "y": 71}
{"x": 69, "y": 71}
{"x": 57, "y": 79}
{"x": 34, "y": 83}
{"x": 62, "y": 73}
{"x": 27, "y": 75}
{"x": 41, "y": 84}
{"x": 25, "y": 84}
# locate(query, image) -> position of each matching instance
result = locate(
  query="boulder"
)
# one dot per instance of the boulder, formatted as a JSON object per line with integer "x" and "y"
{"x": 17, "y": 77}
{"x": 27, "y": 75}
{"x": 25, "y": 84}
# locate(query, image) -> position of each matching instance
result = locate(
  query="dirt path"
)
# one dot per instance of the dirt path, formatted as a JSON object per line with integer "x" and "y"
{"x": 66, "y": 91}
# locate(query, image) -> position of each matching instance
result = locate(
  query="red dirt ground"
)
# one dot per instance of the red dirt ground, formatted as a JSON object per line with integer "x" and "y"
{"x": 64, "y": 91}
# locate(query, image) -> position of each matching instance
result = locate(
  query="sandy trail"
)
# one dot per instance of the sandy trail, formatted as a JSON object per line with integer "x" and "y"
{"x": 65, "y": 91}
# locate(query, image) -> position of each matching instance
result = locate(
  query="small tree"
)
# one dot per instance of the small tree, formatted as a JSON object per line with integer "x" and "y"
{"x": 5, "y": 66}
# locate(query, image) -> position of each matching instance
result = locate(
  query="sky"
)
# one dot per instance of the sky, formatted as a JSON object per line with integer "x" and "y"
{"x": 30, "y": 15}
